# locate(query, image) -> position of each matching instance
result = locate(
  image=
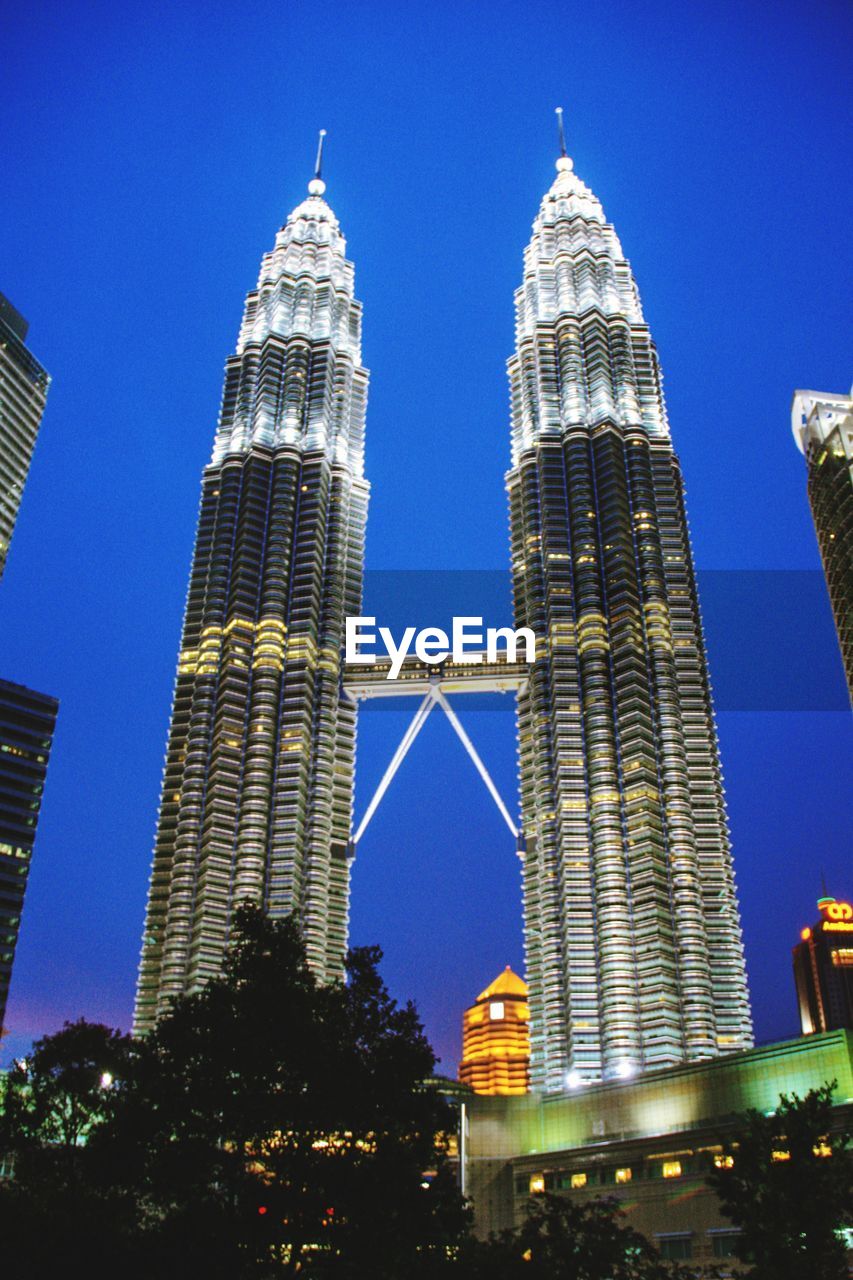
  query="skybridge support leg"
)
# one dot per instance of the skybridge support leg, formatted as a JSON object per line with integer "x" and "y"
{"x": 418, "y": 722}
{"x": 481, "y": 768}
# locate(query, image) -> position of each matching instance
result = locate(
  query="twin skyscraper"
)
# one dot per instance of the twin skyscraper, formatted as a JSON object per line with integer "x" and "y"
{"x": 634, "y": 958}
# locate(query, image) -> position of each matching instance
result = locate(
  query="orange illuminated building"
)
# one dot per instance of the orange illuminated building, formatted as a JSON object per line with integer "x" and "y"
{"x": 823, "y": 969}
{"x": 496, "y": 1038}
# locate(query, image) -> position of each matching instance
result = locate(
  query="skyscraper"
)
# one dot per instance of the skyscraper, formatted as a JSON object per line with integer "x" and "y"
{"x": 257, "y": 792}
{"x": 27, "y": 722}
{"x": 496, "y": 1038}
{"x": 823, "y": 969}
{"x": 23, "y": 392}
{"x": 634, "y": 956}
{"x": 823, "y": 430}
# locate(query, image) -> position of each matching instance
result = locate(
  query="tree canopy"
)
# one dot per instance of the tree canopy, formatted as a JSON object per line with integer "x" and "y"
{"x": 269, "y": 1125}
{"x": 564, "y": 1239}
{"x": 786, "y": 1180}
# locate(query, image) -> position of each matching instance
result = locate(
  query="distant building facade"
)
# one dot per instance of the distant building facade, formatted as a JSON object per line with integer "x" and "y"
{"x": 823, "y": 430}
{"x": 496, "y": 1038}
{"x": 823, "y": 969}
{"x": 647, "y": 1142}
{"x": 27, "y": 722}
{"x": 23, "y": 392}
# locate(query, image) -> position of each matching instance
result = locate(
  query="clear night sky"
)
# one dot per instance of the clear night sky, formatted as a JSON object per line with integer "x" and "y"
{"x": 150, "y": 152}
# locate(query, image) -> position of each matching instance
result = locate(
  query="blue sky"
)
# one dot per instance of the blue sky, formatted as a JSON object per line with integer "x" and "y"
{"x": 149, "y": 154}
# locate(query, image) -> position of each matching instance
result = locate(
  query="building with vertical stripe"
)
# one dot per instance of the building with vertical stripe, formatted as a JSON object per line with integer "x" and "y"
{"x": 27, "y": 723}
{"x": 23, "y": 392}
{"x": 823, "y": 429}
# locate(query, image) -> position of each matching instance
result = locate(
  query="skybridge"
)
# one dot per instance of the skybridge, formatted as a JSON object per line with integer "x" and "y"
{"x": 433, "y": 683}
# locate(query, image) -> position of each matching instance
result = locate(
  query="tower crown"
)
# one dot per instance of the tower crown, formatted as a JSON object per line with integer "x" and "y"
{"x": 301, "y": 327}
{"x": 584, "y": 355}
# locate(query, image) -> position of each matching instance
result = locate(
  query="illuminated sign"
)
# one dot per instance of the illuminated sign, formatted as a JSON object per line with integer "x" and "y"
{"x": 837, "y": 916}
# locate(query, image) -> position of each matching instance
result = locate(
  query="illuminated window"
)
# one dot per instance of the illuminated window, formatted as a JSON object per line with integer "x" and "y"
{"x": 822, "y": 1148}
{"x": 842, "y": 957}
{"x": 578, "y": 1180}
{"x": 496, "y": 1010}
{"x": 537, "y": 1183}
{"x": 623, "y": 1175}
{"x": 779, "y": 1156}
{"x": 671, "y": 1169}
{"x": 723, "y": 1162}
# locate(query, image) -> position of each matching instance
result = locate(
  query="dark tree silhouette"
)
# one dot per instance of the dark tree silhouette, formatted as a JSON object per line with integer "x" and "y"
{"x": 562, "y": 1239}
{"x": 269, "y": 1125}
{"x": 52, "y": 1104}
{"x": 787, "y": 1182}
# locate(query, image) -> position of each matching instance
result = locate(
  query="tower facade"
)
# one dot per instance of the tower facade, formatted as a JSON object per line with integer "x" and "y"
{"x": 257, "y": 792}
{"x": 633, "y": 946}
{"x": 823, "y": 430}
{"x": 23, "y": 392}
{"x": 27, "y": 722}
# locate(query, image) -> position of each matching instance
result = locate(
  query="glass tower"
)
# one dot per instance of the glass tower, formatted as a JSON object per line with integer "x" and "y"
{"x": 257, "y": 793}
{"x": 633, "y": 945}
{"x": 23, "y": 392}
{"x": 823, "y": 430}
{"x": 27, "y": 722}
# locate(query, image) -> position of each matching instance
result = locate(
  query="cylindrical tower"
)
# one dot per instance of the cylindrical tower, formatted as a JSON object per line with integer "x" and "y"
{"x": 257, "y": 792}
{"x": 633, "y": 943}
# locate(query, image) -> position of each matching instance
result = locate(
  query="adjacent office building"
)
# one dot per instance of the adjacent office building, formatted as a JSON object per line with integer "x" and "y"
{"x": 496, "y": 1038}
{"x": 823, "y": 969}
{"x": 27, "y": 722}
{"x": 634, "y": 958}
{"x": 823, "y": 430}
{"x": 23, "y": 392}
{"x": 257, "y": 794}
{"x": 648, "y": 1142}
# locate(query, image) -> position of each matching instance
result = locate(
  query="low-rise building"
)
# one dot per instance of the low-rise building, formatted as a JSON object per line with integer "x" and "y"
{"x": 649, "y": 1141}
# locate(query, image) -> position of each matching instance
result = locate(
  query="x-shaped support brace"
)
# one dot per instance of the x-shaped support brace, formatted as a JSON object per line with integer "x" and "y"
{"x": 432, "y": 699}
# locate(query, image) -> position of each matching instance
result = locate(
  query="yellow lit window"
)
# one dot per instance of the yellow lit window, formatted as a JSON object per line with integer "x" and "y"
{"x": 822, "y": 1148}
{"x": 496, "y": 1010}
{"x": 578, "y": 1180}
{"x": 779, "y": 1156}
{"x": 623, "y": 1175}
{"x": 672, "y": 1168}
{"x": 723, "y": 1162}
{"x": 537, "y": 1183}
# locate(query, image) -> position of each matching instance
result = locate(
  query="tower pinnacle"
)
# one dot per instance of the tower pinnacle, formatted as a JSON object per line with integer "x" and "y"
{"x": 317, "y": 186}
{"x": 564, "y": 162}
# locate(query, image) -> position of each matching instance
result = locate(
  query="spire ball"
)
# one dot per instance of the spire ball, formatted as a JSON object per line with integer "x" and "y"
{"x": 317, "y": 186}
{"x": 564, "y": 163}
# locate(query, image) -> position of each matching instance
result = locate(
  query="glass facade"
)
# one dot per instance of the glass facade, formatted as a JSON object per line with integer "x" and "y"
{"x": 27, "y": 722}
{"x": 823, "y": 429}
{"x": 23, "y": 392}
{"x": 634, "y": 957}
{"x": 257, "y": 793}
